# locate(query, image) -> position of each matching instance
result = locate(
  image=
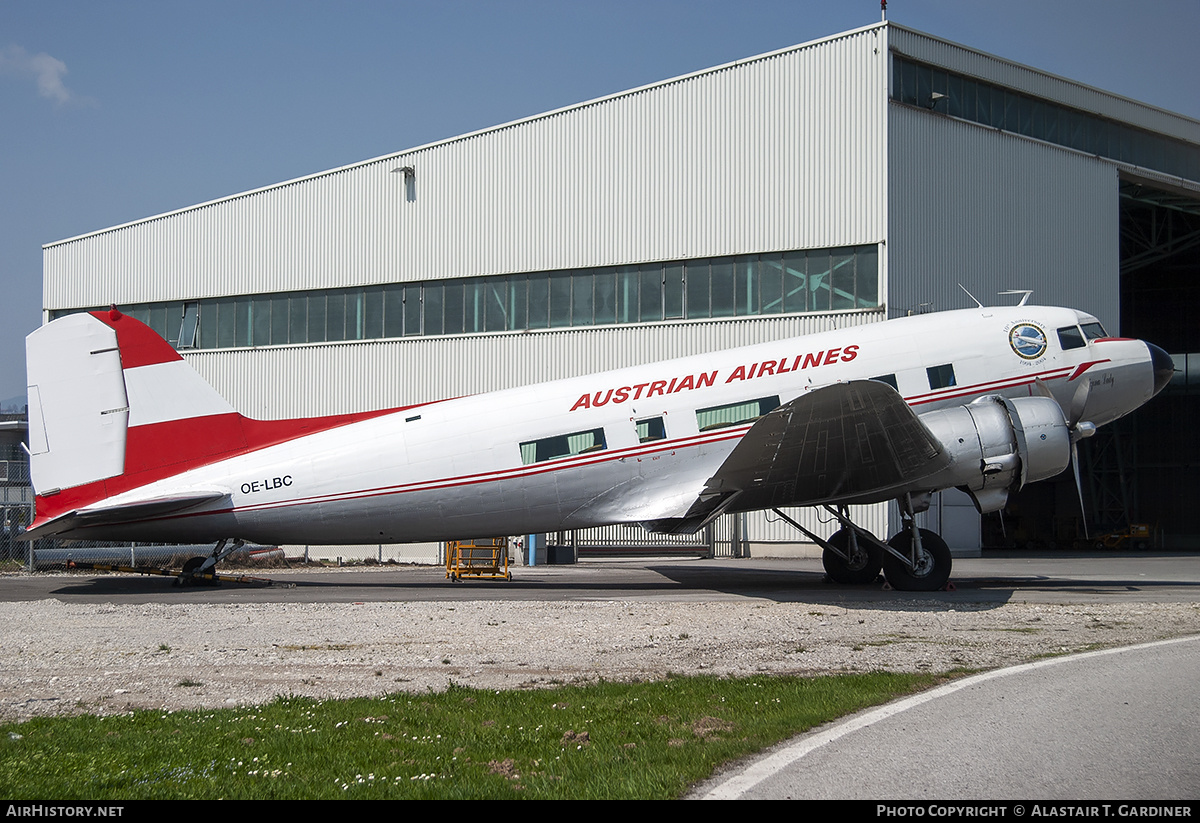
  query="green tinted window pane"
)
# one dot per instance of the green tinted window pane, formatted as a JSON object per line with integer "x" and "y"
{"x": 298, "y": 319}
{"x": 496, "y": 303}
{"x": 393, "y": 310}
{"x": 745, "y": 285}
{"x": 241, "y": 308}
{"x": 539, "y": 301}
{"x": 866, "y": 276}
{"x": 722, "y": 287}
{"x": 627, "y": 294}
{"x": 260, "y": 321}
{"x": 412, "y": 310}
{"x": 581, "y": 298}
{"x": 208, "y": 325}
{"x": 432, "y": 299}
{"x": 316, "y": 318}
{"x": 673, "y": 291}
{"x": 604, "y": 296}
{"x": 452, "y": 308}
{"x": 819, "y": 280}
{"x": 770, "y": 282}
{"x": 474, "y": 306}
{"x": 560, "y": 299}
{"x": 373, "y": 313}
{"x": 842, "y": 282}
{"x": 697, "y": 289}
{"x": 518, "y": 302}
{"x": 279, "y": 319}
{"x": 226, "y": 325}
{"x": 335, "y": 316}
{"x": 795, "y": 282}
{"x": 650, "y": 288}
{"x": 157, "y": 320}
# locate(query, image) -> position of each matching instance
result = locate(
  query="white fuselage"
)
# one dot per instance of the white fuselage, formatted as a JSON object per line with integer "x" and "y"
{"x": 457, "y": 469}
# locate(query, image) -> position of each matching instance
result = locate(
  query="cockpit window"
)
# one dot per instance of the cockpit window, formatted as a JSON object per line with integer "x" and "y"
{"x": 1070, "y": 337}
{"x": 1094, "y": 331}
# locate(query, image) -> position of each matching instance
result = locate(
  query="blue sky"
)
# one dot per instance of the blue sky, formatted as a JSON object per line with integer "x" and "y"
{"x": 114, "y": 111}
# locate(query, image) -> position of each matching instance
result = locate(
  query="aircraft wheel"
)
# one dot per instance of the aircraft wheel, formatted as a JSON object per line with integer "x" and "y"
{"x": 933, "y": 566}
{"x": 860, "y": 570}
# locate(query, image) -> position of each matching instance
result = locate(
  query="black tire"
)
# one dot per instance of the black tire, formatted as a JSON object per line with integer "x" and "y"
{"x": 933, "y": 568}
{"x": 190, "y": 567}
{"x": 192, "y": 564}
{"x": 866, "y": 570}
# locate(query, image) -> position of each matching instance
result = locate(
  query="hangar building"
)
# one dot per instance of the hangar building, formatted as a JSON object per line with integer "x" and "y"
{"x": 838, "y": 182}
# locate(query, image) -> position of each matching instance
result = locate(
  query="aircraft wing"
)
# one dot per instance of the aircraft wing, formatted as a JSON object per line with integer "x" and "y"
{"x": 121, "y": 513}
{"x": 848, "y": 442}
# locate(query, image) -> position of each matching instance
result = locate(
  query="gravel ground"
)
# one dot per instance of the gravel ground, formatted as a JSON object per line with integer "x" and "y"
{"x": 58, "y": 658}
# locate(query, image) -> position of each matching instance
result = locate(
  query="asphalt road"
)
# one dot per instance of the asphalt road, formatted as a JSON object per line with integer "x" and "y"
{"x": 1042, "y": 578}
{"x": 1109, "y": 725}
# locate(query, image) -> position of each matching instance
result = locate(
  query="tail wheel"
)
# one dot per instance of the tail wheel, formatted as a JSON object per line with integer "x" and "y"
{"x": 861, "y": 569}
{"x": 932, "y": 568}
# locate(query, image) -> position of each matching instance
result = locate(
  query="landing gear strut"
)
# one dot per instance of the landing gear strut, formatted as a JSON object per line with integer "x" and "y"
{"x": 914, "y": 560}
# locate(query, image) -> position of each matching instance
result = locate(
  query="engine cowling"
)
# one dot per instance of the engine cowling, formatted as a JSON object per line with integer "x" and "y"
{"x": 997, "y": 445}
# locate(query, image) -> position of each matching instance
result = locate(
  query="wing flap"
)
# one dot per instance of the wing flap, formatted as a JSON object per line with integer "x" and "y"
{"x": 849, "y": 442}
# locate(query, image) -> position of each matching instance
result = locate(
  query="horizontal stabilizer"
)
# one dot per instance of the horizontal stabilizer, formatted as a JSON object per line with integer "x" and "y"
{"x": 122, "y": 513}
{"x": 849, "y": 442}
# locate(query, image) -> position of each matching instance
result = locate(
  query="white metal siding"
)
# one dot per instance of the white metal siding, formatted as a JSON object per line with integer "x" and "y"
{"x": 994, "y": 211}
{"x": 772, "y": 153}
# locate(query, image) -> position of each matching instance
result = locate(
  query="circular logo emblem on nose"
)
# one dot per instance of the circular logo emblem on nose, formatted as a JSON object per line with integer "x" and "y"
{"x": 1028, "y": 341}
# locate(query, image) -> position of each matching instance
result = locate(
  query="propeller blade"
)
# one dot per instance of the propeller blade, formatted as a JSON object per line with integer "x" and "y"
{"x": 1079, "y": 403}
{"x": 1078, "y": 485}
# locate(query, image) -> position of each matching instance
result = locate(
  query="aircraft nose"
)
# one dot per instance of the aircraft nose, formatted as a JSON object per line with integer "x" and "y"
{"x": 1163, "y": 365}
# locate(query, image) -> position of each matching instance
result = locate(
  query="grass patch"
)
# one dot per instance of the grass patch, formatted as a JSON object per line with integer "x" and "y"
{"x": 607, "y": 740}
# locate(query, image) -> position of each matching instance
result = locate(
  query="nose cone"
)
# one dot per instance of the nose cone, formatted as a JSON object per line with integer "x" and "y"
{"x": 1163, "y": 365}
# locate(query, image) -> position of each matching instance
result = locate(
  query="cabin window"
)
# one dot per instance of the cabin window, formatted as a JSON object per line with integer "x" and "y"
{"x": 562, "y": 445}
{"x": 735, "y": 414}
{"x": 651, "y": 429}
{"x": 1094, "y": 331}
{"x": 890, "y": 379}
{"x": 1070, "y": 337}
{"x": 941, "y": 377}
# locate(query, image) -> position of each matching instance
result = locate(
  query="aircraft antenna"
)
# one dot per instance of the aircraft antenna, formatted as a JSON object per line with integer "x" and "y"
{"x": 1026, "y": 292}
{"x": 973, "y": 297}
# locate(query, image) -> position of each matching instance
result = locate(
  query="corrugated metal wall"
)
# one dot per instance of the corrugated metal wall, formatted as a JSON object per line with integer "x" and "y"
{"x": 990, "y": 210}
{"x": 771, "y": 153}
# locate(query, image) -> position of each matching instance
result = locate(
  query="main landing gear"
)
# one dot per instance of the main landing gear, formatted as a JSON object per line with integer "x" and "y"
{"x": 914, "y": 560}
{"x": 201, "y": 571}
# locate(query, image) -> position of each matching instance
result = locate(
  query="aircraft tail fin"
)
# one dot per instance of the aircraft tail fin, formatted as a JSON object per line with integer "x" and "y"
{"x": 105, "y": 393}
{"x": 113, "y": 407}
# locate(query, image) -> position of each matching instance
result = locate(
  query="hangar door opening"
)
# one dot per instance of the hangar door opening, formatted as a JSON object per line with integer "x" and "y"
{"x": 1139, "y": 475}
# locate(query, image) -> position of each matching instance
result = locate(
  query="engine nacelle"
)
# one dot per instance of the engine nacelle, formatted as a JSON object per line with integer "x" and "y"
{"x": 997, "y": 445}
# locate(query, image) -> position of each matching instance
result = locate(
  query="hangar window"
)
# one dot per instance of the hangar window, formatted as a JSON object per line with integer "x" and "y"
{"x": 941, "y": 377}
{"x": 989, "y": 104}
{"x": 744, "y": 285}
{"x": 1070, "y": 337}
{"x": 735, "y": 414}
{"x": 563, "y": 445}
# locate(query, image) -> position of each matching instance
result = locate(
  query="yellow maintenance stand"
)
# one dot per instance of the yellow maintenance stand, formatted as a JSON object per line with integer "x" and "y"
{"x": 486, "y": 557}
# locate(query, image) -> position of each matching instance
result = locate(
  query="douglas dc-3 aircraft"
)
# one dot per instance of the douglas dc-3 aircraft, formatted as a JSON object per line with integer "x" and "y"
{"x": 127, "y": 442}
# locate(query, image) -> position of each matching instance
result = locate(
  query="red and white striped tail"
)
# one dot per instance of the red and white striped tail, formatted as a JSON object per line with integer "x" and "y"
{"x": 112, "y": 408}
{"x": 98, "y": 384}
